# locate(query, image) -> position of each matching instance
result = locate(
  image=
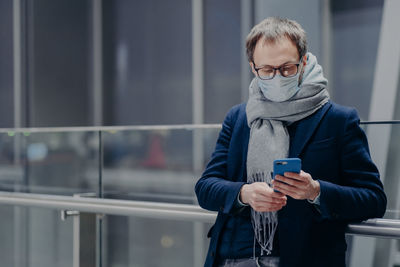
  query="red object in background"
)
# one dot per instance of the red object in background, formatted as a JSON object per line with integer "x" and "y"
{"x": 155, "y": 156}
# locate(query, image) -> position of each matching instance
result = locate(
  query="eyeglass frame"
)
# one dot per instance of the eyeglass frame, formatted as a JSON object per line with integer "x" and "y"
{"x": 278, "y": 68}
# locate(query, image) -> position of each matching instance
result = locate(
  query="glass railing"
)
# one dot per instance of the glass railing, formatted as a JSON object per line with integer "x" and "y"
{"x": 117, "y": 196}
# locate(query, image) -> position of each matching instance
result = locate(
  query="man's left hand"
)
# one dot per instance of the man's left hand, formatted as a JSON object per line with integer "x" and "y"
{"x": 297, "y": 185}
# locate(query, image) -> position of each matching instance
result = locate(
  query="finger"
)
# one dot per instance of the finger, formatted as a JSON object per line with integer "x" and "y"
{"x": 286, "y": 189}
{"x": 290, "y": 181}
{"x": 292, "y": 194}
{"x": 268, "y": 192}
{"x": 276, "y": 194}
{"x": 302, "y": 176}
{"x": 278, "y": 197}
{"x": 296, "y": 176}
{"x": 278, "y": 184}
{"x": 269, "y": 201}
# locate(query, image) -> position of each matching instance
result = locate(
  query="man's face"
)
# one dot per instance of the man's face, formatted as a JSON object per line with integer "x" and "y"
{"x": 275, "y": 54}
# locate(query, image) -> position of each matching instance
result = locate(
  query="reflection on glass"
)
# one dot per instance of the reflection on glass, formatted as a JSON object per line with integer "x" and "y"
{"x": 154, "y": 165}
{"x": 52, "y": 163}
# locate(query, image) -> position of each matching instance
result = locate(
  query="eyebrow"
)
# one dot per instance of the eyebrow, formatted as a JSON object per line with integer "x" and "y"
{"x": 263, "y": 66}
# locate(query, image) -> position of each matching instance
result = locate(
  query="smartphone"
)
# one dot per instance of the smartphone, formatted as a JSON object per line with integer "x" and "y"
{"x": 286, "y": 165}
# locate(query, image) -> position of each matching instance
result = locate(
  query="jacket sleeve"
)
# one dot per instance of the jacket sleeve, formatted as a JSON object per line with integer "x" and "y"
{"x": 359, "y": 194}
{"x": 215, "y": 191}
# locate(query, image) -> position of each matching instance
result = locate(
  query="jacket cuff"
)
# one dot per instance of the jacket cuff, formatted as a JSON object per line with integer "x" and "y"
{"x": 317, "y": 200}
{"x": 231, "y": 201}
{"x": 240, "y": 203}
{"x": 324, "y": 207}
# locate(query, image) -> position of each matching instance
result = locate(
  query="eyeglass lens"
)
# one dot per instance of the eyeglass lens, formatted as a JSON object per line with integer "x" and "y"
{"x": 287, "y": 70}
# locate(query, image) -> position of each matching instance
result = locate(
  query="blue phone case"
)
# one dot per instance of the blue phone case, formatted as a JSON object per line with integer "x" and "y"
{"x": 286, "y": 165}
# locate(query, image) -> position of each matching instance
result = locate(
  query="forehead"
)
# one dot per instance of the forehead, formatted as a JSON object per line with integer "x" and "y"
{"x": 275, "y": 53}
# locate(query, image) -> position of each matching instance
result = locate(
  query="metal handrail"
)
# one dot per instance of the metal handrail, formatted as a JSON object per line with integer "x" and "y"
{"x": 155, "y": 210}
{"x": 383, "y": 228}
{"x": 140, "y": 127}
{"x": 112, "y": 128}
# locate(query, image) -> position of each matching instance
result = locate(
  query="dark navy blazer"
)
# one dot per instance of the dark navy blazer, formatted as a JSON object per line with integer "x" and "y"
{"x": 334, "y": 150}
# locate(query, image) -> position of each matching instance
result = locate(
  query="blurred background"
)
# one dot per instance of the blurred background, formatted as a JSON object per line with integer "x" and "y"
{"x": 131, "y": 63}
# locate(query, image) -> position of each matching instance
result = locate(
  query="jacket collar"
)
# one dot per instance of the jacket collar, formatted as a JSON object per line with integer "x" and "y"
{"x": 305, "y": 129}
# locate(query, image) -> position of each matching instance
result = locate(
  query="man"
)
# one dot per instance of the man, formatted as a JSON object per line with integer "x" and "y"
{"x": 298, "y": 219}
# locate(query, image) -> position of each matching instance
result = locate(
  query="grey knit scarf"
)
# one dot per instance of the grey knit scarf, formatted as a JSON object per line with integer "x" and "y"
{"x": 269, "y": 138}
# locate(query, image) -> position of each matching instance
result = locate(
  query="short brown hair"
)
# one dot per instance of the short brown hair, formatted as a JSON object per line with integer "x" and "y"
{"x": 273, "y": 28}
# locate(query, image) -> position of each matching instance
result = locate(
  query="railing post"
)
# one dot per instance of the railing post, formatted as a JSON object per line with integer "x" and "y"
{"x": 84, "y": 233}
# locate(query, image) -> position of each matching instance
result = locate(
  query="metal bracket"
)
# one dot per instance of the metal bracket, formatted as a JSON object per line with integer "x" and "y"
{"x": 68, "y": 213}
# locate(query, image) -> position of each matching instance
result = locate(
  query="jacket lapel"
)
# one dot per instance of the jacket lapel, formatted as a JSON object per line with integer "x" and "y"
{"x": 305, "y": 130}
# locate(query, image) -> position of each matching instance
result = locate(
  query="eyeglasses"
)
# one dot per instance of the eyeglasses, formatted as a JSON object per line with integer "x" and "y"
{"x": 268, "y": 72}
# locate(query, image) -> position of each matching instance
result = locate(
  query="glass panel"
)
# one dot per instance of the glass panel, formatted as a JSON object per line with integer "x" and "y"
{"x": 385, "y": 151}
{"x": 151, "y": 165}
{"x": 154, "y": 165}
{"x": 34, "y": 237}
{"x": 50, "y": 163}
{"x": 134, "y": 241}
{"x": 370, "y": 251}
{"x": 11, "y": 168}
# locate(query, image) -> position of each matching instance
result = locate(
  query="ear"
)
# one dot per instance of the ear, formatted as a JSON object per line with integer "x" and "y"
{"x": 304, "y": 60}
{"x": 252, "y": 68}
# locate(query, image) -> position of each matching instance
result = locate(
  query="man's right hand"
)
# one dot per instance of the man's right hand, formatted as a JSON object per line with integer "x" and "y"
{"x": 261, "y": 197}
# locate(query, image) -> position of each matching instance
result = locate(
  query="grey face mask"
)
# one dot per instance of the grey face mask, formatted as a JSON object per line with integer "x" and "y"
{"x": 279, "y": 89}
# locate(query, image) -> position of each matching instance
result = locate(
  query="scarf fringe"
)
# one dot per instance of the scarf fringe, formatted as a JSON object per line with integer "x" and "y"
{"x": 264, "y": 223}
